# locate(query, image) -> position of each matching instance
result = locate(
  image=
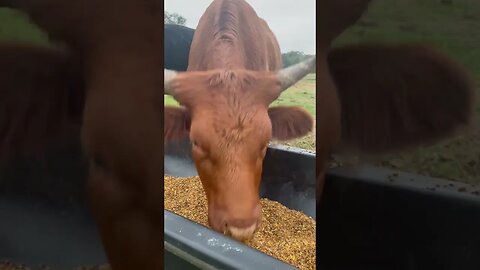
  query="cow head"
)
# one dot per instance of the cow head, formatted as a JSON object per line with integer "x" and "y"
{"x": 227, "y": 117}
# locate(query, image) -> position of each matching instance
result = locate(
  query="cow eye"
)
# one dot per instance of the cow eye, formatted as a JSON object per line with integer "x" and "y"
{"x": 196, "y": 146}
{"x": 198, "y": 151}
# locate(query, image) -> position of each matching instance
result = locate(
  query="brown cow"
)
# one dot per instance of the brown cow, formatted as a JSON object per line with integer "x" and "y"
{"x": 376, "y": 98}
{"x": 232, "y": 77}
{"x": 118, "y": 45}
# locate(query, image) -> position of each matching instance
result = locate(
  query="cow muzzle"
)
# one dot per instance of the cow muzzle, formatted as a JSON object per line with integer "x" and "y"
{"x": 238, "y": 225}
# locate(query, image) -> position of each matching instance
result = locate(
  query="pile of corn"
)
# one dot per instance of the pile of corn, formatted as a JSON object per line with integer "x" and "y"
{"x": 285, "y": 234}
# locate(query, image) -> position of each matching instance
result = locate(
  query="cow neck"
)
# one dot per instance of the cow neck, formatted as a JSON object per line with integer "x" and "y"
{"x": 221, "y": 54}
{"x": 230, "y": 36}
{"x": 229, "y": 55}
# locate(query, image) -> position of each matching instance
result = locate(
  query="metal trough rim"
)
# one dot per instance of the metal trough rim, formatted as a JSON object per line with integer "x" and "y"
{"x": 190, "y": 238}
{"x": 426, "y": 185}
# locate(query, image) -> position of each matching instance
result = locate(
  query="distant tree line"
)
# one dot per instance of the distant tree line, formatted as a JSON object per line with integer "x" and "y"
{"x": 293, "y": 57}
{"x": 173, "y": 18}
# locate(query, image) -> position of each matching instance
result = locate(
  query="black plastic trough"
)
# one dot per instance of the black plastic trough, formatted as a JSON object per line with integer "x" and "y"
{"x": 43, "y": 215}
{"x": 288, "y": 177}
{"x": 44, "y": 219}
{"x": 372, "y": 218}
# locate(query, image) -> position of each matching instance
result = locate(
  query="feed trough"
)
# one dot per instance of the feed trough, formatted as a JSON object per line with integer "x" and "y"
{"x": 288, "y": 177}
{"x": 370, "y": 218}
{"x": 45, "y": 220}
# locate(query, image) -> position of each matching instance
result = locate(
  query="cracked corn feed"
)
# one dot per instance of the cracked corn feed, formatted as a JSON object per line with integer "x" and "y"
{"x": 285, "y": 234}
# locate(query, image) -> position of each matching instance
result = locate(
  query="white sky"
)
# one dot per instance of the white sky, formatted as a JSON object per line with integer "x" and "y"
{"x": 292, "y": 21}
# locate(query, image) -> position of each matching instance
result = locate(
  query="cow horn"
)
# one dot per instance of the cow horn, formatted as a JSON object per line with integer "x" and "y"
{"x": 168, "y": 76}
{"x": 292, "y": 74}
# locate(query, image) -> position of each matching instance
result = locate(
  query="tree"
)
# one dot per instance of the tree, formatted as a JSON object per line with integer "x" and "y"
{"x": 173, "y": 18}
{"x": 293, "y": 57}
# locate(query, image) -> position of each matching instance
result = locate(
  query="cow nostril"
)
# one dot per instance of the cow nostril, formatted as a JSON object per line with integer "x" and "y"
{"x": 225, "y": 227}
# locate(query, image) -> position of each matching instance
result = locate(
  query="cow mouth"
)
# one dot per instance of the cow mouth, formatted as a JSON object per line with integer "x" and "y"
{"x": 242, "y": 234}
{"x": 238, "y": 229}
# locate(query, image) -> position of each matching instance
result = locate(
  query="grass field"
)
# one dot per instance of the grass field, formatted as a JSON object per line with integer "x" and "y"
{"x": 14, "y": 26}
{"x": 454, "y": 28}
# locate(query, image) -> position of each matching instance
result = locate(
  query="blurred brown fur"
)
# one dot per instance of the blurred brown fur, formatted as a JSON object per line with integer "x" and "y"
{"x": 374, "y": 99}
{"x": 41, "y": 98}
{"x": 399, "y": 96}
{"x": 120, "y": 47}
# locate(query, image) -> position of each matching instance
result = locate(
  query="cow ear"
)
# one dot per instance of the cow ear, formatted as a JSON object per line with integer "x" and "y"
{"x": 289, "y": 122}
{"x": 176, "y": 123}
{"x": 399, "y": 96}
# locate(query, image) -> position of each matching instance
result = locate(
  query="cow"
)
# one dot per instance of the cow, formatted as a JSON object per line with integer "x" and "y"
{"x": 234, "y": 73}
{"x": 102, "y": 79}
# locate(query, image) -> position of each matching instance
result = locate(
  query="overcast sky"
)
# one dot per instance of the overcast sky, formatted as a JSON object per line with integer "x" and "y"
{"x": 292, "y": 21}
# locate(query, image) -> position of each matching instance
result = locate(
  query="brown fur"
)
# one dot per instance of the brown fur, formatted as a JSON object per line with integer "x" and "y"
{"x": 239, "y": 39}
{"x": 398, "y": 96}
{"x": 227, "y": 89}
{"x": 288, "y": 121}
{"x": 335, "y": 16}
{"x": 120, "y": 44}
{"x": 178, "y": 119}
{"x": 41, "y": 98}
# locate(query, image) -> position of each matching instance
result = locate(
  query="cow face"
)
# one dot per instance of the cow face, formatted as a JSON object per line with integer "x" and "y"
{"x": 227, "y": 117}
